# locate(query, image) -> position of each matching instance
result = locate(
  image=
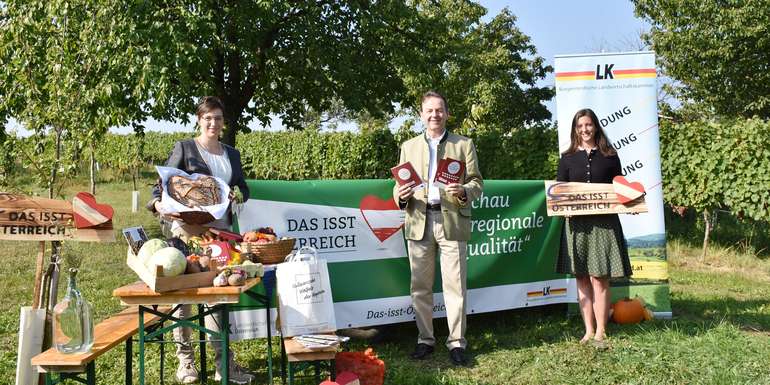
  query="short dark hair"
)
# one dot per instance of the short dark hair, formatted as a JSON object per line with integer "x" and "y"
{"x": 434, "y": 94}
{"x": 208, "y": 104}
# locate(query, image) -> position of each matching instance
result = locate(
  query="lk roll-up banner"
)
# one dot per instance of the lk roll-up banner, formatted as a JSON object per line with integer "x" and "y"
{"x": 357, "y": 228}
{"x": 621, "y": 88}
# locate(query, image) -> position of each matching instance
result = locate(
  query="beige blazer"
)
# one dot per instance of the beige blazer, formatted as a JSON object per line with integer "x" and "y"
{"x": 456, "y": 213}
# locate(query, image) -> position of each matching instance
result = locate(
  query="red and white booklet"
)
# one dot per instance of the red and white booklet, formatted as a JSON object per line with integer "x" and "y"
{"x": 405, "y": 174}
{"x": 448, "y": 171}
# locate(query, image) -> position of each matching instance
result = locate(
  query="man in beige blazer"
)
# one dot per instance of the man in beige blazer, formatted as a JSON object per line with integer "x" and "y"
{"x": 438, "y": 222}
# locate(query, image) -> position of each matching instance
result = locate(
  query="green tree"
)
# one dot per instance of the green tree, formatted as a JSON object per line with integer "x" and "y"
{"x": 487, "y": 71}
{"x": 308, "y": 61}
{"x": 106, "y": 62}
{"x": 717, "y": 164}
{"x": 716, "y": 51}
{"x": 71, "y": 73}
{"x": 278, "y": 57}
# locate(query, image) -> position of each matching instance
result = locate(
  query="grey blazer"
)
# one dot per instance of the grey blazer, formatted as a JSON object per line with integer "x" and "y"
{"x": 186, "y": 157}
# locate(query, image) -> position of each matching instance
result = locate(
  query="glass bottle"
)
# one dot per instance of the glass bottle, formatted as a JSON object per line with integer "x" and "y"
{"x": 73, "y": 324}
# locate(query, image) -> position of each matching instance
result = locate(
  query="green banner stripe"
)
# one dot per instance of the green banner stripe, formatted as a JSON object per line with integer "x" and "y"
{"x": 324, "y": 192}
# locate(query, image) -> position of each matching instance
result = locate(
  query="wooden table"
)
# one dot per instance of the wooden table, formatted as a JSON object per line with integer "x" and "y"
{"x": 217, "y": 298}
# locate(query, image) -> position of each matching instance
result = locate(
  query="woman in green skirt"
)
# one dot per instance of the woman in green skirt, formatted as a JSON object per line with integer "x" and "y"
{"x": 592, "y": 246}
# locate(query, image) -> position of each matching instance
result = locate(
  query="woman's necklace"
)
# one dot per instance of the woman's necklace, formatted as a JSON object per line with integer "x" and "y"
{"x": 200, "y": 143}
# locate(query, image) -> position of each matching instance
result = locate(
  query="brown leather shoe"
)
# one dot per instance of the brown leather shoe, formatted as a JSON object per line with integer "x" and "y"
{"x": 457, "y": 356}
{"x": 422, "y": 351}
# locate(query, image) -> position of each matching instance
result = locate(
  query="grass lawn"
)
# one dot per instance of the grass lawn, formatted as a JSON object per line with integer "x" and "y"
{"x": 719, "y": 334}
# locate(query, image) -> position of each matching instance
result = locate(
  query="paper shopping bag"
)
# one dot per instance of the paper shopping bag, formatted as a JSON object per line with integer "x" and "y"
{"x": 305, "y": 303}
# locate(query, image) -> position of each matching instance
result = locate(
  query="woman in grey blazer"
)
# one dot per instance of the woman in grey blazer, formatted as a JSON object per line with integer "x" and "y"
{"x": 204, "y": 154}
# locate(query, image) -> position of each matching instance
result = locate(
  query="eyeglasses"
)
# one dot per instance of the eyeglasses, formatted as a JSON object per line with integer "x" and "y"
{"x": 217, "y": 119}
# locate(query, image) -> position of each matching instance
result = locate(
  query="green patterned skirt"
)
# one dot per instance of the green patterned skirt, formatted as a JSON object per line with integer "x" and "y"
{"x": 593, "y": 245}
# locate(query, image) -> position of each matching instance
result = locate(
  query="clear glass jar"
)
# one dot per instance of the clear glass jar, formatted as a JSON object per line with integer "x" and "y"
{"x": 73, "y": 324}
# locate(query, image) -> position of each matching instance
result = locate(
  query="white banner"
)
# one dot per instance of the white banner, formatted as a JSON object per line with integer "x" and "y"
{"x": 355, "y": 225}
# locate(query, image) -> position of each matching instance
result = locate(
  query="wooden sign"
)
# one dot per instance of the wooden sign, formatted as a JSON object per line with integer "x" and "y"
{"x": 573, "y": 198}
{"x": 24, "y": 218}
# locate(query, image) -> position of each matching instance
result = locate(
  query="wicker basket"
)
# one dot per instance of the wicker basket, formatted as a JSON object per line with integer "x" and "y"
{"x": 269, "y": 253}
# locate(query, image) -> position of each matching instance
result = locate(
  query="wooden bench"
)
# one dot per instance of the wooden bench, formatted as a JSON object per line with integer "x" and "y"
{"x": 107, "y": 334}
{"x": 299, "y": 358}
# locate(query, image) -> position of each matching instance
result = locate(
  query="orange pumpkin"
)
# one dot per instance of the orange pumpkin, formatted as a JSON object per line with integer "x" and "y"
{"x": 628, "y": 311}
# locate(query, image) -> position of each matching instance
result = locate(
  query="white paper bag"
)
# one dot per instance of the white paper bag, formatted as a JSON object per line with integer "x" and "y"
{"x": 31, "y": 326}
{"x": 304, "y": 295}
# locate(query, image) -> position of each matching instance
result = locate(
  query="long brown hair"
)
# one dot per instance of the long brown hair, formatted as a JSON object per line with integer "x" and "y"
{"x": 601, "y": 140}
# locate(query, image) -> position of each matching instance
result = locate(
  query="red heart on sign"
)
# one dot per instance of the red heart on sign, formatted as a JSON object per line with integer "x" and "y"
{"x": 382, "y": 215}
{"x": 626, "y": 191}
{"x": 88, "y": 213}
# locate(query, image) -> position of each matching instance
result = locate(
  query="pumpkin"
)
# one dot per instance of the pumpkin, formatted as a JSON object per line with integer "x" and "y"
{"x": 628, "y": 311}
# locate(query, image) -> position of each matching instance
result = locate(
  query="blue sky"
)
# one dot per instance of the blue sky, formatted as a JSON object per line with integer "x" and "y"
{"x": 562, "y": 27}
{"x": 556, "y": 27}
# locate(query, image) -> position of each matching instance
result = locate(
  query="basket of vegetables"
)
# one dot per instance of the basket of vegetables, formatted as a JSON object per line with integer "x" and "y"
{"x": 268, "y": 248}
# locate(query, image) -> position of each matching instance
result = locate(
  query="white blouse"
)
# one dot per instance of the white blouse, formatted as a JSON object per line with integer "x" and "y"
{"x": 218, "y": 164}
{"x": 220, "y": 167}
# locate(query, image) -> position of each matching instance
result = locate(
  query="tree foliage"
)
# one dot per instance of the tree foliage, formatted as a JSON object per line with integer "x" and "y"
{"x": 717, "y": 51}
{"x": 70, "y": 69}
{"x": 278, "y": 57}
{"x": 718, "y": 164}
{"x": 488, "y": 72}
{"x": 83, "y": 65}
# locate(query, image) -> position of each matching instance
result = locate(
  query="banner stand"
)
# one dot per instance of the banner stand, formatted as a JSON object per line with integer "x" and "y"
{"x": 621, "y": 88}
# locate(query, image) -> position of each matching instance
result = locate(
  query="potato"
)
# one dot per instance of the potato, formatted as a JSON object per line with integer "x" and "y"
{"x": 236, "y": 279}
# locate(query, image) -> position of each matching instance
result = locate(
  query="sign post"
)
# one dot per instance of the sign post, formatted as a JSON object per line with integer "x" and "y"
{"x": 25, "y": 218}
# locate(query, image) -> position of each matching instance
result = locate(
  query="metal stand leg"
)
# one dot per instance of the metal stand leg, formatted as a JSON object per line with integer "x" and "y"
{"x": 162, "y": 353}
{"x": 291, "y": 374}
{"x": 202, "y": 344}
{"x": 129, "y": 361}
{"x": 91, "y": 373}
{"x": 284, "y": 363}
{"x": 225, "y": 334}
{"x": 141, "y": 345}
{"x": 268, "y": 294}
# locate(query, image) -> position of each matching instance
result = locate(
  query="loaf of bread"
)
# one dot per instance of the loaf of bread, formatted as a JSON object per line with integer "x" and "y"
{"x": 203, "y": 191}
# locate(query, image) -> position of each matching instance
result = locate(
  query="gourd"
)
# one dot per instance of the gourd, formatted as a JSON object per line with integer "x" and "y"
{"x": 628, "y": 311}
{"x": 171, "y": 259}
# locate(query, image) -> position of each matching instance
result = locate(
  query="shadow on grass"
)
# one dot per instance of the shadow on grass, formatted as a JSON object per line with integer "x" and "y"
{"x": 531, "y": 327}
{"x": 744, "y": 314}
{"x": 487, "y": 332}
{"x": 491, "y": 336}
